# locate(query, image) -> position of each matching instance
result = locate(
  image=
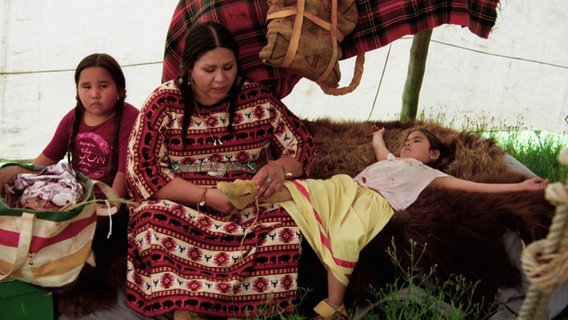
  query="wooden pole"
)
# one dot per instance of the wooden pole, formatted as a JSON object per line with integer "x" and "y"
{"x": 416, "y": 67}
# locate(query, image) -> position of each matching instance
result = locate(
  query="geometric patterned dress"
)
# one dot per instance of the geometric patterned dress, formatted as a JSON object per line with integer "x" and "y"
{"x": 183, "y": 257}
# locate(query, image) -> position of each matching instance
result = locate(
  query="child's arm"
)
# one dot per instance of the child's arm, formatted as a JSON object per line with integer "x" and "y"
{"x": 43, "y": 161}
{"x": 449, "y": 182}
{"x": 119, "y": 184}
{"x": 378, "y": 143}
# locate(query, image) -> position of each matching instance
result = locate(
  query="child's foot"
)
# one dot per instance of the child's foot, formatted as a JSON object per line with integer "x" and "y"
{"x": 240, "y": 192}
{"x": 327, "y": 312}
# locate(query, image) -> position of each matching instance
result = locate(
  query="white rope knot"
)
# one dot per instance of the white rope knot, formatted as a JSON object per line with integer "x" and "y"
{"x": 556, "y": 194}
{"x": 545, "y": 262}
{"x": 563, "y": 157}
{"x": 548, "y": 272}
{"x": 109, "y": 212}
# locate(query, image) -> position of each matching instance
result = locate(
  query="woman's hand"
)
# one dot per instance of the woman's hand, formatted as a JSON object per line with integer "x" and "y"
{"x": 214, "y": 199}
{"x": 191, "y": 195}
{"x": 269, "y": 179}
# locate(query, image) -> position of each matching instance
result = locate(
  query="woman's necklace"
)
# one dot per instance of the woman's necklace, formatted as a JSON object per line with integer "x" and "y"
{"x": 210, "y": 121}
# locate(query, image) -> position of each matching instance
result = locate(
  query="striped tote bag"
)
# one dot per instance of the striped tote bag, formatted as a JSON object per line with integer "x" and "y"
{"x": 42, "y": 247}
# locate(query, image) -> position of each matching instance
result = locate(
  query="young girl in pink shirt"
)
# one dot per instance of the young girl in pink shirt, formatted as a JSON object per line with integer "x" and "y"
{"x": 94, "y": 134}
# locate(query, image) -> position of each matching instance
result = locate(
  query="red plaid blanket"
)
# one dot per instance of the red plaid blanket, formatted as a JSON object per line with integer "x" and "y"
{"x": 380, "y": 23}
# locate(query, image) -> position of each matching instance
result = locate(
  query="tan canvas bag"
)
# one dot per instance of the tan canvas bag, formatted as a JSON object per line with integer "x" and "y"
{"x": 305, "y": 37}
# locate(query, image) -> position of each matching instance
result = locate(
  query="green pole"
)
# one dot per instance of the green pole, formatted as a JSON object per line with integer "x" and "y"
{"x": 416, "y": 67}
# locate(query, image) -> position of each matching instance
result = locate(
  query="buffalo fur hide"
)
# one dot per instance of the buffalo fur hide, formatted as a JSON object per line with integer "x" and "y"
{"x": 462, "y": 233}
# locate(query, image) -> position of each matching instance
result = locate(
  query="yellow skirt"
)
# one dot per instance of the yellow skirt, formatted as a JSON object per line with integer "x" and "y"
{"x": 337, "y": 217}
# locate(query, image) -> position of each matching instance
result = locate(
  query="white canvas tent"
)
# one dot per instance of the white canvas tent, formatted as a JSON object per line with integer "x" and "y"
{"x": 517, "y": 77}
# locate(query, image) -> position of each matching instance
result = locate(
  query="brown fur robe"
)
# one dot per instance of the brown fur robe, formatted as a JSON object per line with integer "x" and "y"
{"x": 462, "y": 232}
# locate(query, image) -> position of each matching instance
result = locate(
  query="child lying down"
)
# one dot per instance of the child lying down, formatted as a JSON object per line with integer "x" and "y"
{"x": 333, "y": 214}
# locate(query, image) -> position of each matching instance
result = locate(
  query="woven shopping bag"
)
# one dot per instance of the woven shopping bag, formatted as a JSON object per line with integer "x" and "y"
{"x": 47, "y": 248}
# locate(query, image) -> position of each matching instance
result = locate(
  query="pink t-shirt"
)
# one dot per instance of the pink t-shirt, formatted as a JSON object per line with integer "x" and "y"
{"x": 93, "y": 144}
{"x": 399, "y": 180}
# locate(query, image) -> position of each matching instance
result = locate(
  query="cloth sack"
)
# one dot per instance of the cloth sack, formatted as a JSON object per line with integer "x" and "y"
{"x": 305, "y": 36}
{"x": 48, "y": 248}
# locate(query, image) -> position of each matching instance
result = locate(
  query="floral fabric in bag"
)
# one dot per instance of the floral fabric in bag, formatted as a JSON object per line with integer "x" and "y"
{"x": 43, "y": 247}
{"x": 51, "y": 189}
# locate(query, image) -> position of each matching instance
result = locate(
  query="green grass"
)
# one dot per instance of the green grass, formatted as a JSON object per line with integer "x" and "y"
{"x": 417, "y": 294}
{"x": 537, "y": 150}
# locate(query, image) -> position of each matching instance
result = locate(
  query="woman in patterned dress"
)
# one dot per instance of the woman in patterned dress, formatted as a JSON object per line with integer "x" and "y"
{"x": 189, "y": 249}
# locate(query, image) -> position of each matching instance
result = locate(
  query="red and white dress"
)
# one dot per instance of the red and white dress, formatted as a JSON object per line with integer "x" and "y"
{"x": 201, "y": 261}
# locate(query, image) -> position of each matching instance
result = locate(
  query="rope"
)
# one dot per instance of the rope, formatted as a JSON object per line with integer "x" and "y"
{"x": 380, "y": 83}
{"x": 545, "y": 262}
{"x": 109, "y": 213}
{"x": 357, "y": 75}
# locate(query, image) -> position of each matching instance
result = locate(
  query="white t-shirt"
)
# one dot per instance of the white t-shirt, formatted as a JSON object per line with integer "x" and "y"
{"x": 399, "y": 180}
